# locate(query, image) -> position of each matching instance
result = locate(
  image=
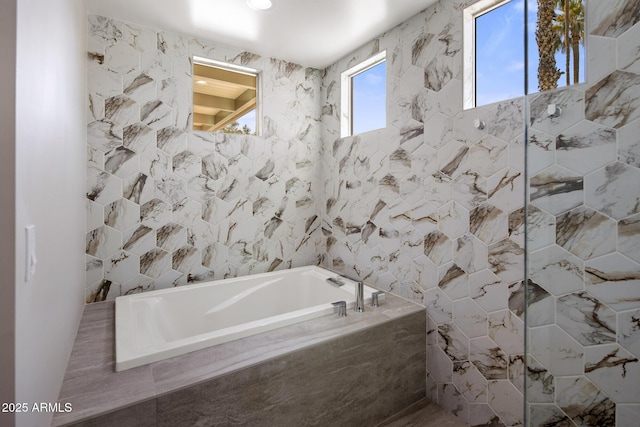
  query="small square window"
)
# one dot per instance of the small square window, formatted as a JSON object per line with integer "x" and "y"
{"x": 224, "y": 97}
{"x": 364, "y": 96}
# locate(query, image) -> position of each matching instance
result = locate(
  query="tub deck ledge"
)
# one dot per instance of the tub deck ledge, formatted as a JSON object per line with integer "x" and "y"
{"x": 93, "y": 387}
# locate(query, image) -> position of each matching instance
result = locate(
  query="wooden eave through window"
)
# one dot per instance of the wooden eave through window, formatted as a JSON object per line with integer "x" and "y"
{"x": 221, "y": 96}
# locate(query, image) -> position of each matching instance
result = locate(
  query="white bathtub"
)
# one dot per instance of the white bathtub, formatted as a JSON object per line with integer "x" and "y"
{"x": 157, "y": 325}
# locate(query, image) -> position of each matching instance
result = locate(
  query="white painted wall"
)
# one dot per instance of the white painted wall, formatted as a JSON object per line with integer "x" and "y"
{"x": 7, "y": 203}
{"x": 50, "y": 186}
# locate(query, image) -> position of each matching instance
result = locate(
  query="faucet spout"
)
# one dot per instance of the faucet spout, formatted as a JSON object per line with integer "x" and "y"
{"x": 359, "y": 306}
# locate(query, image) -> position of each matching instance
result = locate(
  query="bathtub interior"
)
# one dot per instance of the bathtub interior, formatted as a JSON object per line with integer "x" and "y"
{"x": 156, "y": 325}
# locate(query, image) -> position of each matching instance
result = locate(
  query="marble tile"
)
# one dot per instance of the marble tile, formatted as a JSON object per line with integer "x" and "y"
{"x": 481, "y": 414}
{"x": 517, "y": 298}
{"x": 453, "y": 281}
{"x": 614, "y": 280}
{"x": 506, "y": 190}
{"x": 137, "y": 284}
{"x": 104, "y": 188}
{"x": 548, "y": 414}
{"x": 540, "y": 231}
{"x": 556, "y": 190}
{"x": 583, "y": 402}
{"x": 470, "y": 382}
{"x": 453, "y": 220}
{"x": 469, "y": 189}
{"x": 556, "y": 270}
{"x": 139, "y": 240}
{"x": 488, "y": 358}
{"x": 506, "y": 260}
{"x": 488, "y": 291}
{"x": 488, "y": 223}
{"x": 629, "y": 331}
{"x": 138, "y": 188}
{"x": 439, "y": 306}
{"x": 103, "y": 242}
{"x": 121, "y": 110}
{"x": 607, "y": 190}
{"x": 540, "y": 386}
{"x": 507, "y": 330}
{"x": 122, "y": 214}
{"x": 556, "y": 351}
{"x": 586, "y": 319}
{"x": 93, "y": 269}
{"x": 453, "y": 158}
{"x": 438, "y": 248}
{"x": 155, "y": 263}
{"x": 439, "y": 365}
{"x": 506, "y": 400}
{"x": 517, "y": 371}
{"x": 453, "y": 342}
{"x": 121, "y": 266}
{"x": 488, "y": 156}
{"x": 585, "y": 233}
{"x": 104, "y": 30}
{"x": 627, "y": 415}
{"x": 541, "y": 306}
{"x": 452, "y": 400}
{"x": 614, "y": 101}
{"x": 571, "y": 101}
{"x": 628, "y": 144}
{"x": 586, "y": 147}
{"x": 140, "y": 38}
{"x": 470, "y": 254}
{"x": 541, "y": 149}
{"x": 122, "y": 58}
{"x": 601, "y": 57}
{"x": 613, "y": 19}
{"x": 105, "y": 84}
{"x": 627, "y": 50}
{"x": 615, "y": 371}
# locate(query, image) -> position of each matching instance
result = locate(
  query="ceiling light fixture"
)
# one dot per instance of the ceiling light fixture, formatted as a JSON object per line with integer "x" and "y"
{"x": 260, "y": 4}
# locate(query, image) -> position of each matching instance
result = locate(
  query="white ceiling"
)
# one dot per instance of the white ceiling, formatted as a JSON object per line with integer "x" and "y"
{"x": 313, "y": 33}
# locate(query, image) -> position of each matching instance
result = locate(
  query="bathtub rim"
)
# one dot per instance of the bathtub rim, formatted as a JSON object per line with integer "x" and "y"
{"x": 127, "y": 356}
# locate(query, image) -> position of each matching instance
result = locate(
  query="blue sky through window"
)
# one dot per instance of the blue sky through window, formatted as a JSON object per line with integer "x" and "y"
{"x": 248, "y": 119}
{"x": 500, "y": 64}
{"x": 368, "y": 100}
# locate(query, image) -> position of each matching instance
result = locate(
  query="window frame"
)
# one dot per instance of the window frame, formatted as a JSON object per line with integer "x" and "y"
{"x": 469, "y": 16}
{"x": 346, "y": 101}
{"x": 236, "y": 69}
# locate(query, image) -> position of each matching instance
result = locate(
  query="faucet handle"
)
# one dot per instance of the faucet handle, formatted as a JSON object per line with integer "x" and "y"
{"x": 376, "y": 297}
{"x": 341, "y": 308}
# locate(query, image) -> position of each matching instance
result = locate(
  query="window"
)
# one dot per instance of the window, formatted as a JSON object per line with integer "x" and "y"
{"x": 224, "y": 97}
{"x": 494, "y": 52}
{"x": 364, "y": 96}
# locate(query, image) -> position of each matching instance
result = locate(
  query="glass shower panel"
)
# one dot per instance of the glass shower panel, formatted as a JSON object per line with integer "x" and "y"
{"x": 583, "y": 233}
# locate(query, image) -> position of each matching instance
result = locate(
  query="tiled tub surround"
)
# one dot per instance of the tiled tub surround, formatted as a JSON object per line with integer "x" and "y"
{"x": 583, "y": 314}
{"x": 431, "y": 208}
{"x": 167, "y": 205}
{"x": 354, "y": 370}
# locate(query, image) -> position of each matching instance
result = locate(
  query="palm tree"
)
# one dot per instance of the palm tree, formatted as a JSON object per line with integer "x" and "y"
{"x": 547, "y": 40}
{"x": 569, "y": 26}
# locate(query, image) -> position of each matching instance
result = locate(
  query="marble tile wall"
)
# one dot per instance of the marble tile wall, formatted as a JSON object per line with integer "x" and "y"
{"x": 429, "y": 208}
{"x": 167, "y": 205}
{"x": 432, "y": 209}
{"x": 583, "y": 314}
